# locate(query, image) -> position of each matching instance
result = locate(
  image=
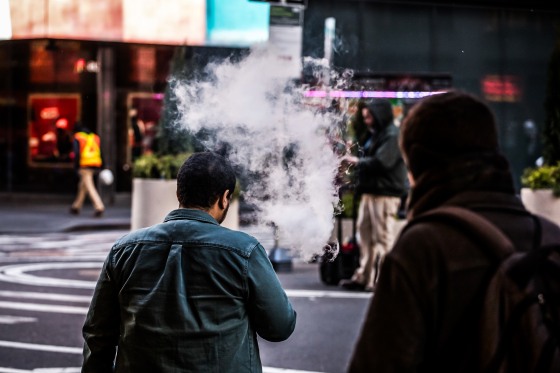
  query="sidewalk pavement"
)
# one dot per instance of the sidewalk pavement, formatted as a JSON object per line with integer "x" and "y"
{"x": 28, "y": 213}
{"x": 25, "y": 213}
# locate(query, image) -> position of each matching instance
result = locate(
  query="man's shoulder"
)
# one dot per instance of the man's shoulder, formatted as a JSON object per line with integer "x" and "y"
{"x": 197, "y": 234}
{"x": 235, "y": 239}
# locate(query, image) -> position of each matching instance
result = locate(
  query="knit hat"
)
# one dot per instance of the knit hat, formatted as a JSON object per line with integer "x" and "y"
{"x": 442, "y": 128}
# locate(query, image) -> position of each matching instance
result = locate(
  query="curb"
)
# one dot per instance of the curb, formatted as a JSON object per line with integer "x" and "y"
{"x": 96, "y": 227}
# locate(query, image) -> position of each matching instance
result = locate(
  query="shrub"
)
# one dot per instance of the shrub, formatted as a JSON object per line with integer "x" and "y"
{"x": 155, "y": 166}
{"x": 544, "y": 177}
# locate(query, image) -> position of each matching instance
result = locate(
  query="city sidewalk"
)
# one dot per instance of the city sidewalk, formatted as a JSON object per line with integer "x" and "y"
{"x": 24, "y": 213}
{"x": 28, "y": 213}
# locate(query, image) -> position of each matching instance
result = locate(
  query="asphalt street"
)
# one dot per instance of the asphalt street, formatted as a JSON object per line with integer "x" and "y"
{"x": 50, "y": 259}
{"x": 46, "y": 282}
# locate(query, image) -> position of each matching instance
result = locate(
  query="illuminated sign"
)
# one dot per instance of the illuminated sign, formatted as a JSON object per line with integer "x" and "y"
{"x": 370, "y": 94}
{"x": 141, "y": 21}
{"x": 502, "y": 88}
{"x": 236, "y": 22}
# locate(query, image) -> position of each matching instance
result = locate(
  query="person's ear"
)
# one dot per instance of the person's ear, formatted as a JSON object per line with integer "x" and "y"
{"x": 223, "y": 201}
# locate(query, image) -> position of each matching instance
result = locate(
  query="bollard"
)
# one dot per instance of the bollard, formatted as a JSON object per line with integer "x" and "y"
{"x": 281, "y": 259}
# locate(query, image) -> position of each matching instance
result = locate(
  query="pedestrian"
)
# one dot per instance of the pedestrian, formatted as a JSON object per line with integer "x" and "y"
{"x": 187, "y": 295}
{"x": 136, "y": 132}
{"x": 424, "y": 316}
{"x": 381, "y": 181}
{"x": 64, "y": 140}
{"x": 358, "y": 132}
{"x": 88, "y": 161}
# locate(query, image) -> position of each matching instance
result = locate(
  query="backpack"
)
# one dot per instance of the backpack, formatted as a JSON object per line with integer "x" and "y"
{"x": 520, "y": 317}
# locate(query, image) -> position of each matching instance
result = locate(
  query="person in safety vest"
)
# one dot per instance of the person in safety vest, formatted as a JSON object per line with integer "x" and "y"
{"x": 87, "y": 161}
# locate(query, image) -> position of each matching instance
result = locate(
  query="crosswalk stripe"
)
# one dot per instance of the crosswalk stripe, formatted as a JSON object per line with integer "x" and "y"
{"x": 11, "y": 370}
{"x": 77, "y": 350}
{"x": 11, "y": 320}
{"x": 38, "y": 347}
{"x": 44, "y": 307}
{"x": 77, "y": 370}
{"x": 327, "y": 294}
{"x": 46, "y": 296}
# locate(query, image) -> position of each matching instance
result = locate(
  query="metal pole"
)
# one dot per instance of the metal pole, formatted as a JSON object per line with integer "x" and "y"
{"x": 106, "y": 98}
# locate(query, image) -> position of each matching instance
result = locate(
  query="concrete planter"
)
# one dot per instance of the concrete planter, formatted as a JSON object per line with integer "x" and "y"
{"x": 153, "y": 199}
{"x": 542, "y": 202}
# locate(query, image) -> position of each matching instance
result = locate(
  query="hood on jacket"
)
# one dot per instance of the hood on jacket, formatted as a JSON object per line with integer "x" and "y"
{"x": 382, "y": 112}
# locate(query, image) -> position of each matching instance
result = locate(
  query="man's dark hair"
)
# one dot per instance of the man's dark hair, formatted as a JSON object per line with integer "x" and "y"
{"x": 203, "y": 178}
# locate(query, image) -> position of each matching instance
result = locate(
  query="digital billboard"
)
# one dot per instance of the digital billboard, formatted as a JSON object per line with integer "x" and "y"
{"x": 237, "y": 22}
{"x": 175, "y": 22}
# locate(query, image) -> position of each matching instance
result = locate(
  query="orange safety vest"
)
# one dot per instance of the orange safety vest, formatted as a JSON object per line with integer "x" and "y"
{"x": 90, "y": 149}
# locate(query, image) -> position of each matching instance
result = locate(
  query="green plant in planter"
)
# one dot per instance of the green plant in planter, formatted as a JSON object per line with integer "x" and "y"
{"x": 158, "y": 166}
{"x": 547, "y": 176}
{"x": 166, "y": 167}
{"x": 544, "y": 177}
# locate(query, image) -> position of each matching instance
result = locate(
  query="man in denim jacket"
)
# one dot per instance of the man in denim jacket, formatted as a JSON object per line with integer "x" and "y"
{"x": 187, "y": 295}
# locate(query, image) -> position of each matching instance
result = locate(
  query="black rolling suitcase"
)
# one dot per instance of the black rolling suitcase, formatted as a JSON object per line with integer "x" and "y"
{"x": 331, "y": 270}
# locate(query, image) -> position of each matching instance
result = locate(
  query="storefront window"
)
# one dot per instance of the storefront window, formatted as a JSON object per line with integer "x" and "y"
{"x": 52, "y": 118}
{"x": 54, "y": 62}
{"x": 144, "y": 113}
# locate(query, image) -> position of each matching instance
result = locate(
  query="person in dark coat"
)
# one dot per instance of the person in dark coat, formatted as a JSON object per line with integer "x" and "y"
{"x": 423, "y": 317}
{"x": 381, "y": 175}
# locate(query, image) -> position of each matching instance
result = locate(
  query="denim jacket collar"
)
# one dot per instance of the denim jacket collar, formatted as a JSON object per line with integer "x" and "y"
{"x": 190, "y": 214}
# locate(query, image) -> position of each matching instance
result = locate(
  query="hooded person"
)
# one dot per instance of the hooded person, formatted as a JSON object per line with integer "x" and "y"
{"x": 381, "y": 181}
{"x": 426, "y": 310}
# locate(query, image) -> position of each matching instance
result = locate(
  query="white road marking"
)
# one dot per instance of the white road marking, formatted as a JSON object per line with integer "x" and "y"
{"x": 86, "y": 247}
{"x": 17, "y": 274}
{"x": 44, "y": 308}
{"x": 11, "y": 320}
{"x": 46, "y": 296}
{"x": 78, "y": 351}
{"x": 11, "y": 370}
{"x": 77, "y": 370}
{"x": 38, "y": 347}
{"x": 282, "y": 370}
{"x": 41, "y": 370}
{"x": 327, "y": 294}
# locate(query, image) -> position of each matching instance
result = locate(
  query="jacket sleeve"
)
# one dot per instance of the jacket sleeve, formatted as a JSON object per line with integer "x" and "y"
{"x": 101, "y": 328}
{"x": 270, "y": 310}
{"x": 393, "y": 335}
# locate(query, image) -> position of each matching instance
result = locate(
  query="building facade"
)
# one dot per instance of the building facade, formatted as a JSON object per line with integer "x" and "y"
{"x": 499, "y": 50}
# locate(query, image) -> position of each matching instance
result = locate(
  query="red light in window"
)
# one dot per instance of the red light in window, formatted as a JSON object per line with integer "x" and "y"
{"x": 501, "y": 88}
{"x": 80, "y": 65}
{"x": 62, "y": 123}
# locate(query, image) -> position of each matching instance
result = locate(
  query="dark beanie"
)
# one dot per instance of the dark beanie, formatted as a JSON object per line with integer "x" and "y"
{"x": 444, "y": 127}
